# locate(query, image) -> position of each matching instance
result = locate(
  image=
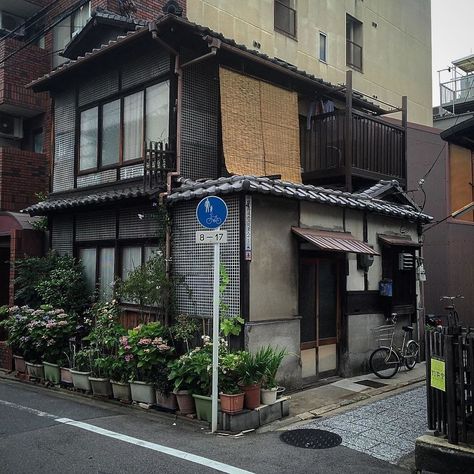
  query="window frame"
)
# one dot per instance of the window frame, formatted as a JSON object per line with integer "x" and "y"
{"x": 100, "y": 105}
{"x": 322, "y": 34}
{"x": 295, "y": 12}
{"x": 354, "y": 22}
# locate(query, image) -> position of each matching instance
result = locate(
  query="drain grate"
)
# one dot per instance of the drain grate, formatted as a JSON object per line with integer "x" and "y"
{"x": 371, "y": 383}
{"x": 311, "y": 439}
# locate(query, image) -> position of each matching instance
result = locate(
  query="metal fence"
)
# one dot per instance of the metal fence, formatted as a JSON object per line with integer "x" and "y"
{"x": 450, "y": 383}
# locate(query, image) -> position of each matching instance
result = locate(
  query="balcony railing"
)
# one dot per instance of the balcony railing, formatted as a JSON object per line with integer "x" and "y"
{"x": 353, "y": 55}
{"x": 160, "y": 159}
{"x": 377, "y": 150}
{"x": 457, "y": 95}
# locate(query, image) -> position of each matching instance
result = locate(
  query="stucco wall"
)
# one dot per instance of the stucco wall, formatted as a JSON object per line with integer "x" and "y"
{"x": 396, "y": 42}
{"x": 274, "y": 259}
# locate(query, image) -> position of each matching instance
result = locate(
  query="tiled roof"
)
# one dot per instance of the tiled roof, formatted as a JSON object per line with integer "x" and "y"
{"x": 58, "y": 203}
{"x": 361, "y": 201}
{"x": 203, "y": 31}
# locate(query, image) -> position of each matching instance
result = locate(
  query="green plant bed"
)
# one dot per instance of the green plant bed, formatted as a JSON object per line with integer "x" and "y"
{"x": 204, "y": 407}
{"x": 52, "y": 372}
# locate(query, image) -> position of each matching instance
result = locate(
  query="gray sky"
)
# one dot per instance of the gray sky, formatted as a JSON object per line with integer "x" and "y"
{"x": 451, "y": 36}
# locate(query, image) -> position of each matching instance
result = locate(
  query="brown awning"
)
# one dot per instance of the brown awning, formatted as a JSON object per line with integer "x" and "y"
{"x": 399, "y": 240}
{"x": 334, "y": 241}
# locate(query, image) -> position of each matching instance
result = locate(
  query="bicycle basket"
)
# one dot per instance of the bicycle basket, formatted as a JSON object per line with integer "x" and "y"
{"x": 384, "y": 334}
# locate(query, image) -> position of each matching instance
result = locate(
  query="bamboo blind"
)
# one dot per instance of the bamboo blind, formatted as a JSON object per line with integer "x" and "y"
{"x": 260, "y": 129}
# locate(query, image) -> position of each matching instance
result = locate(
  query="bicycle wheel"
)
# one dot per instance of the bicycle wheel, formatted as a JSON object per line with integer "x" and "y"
{"x": 411, "y": 354}
{"x": 384, "y": 362}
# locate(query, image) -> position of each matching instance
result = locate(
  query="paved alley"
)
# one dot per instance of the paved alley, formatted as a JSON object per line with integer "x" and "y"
{"x": 385, "y": 429}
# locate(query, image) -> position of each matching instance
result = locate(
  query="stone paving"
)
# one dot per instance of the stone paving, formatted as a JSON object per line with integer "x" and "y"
{"x": 385, "y": 429}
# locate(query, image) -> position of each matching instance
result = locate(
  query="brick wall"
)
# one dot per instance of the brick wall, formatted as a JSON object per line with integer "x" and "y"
{"x": 6, "y": 358}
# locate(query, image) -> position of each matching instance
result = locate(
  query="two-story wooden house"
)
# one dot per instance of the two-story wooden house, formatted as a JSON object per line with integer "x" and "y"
{"x": 175, "y": 111}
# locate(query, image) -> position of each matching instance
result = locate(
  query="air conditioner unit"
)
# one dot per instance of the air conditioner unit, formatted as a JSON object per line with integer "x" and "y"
{"x": 11, "y": 127}
{"x": 10, "y": 22}
{"x": 406, "y": 261}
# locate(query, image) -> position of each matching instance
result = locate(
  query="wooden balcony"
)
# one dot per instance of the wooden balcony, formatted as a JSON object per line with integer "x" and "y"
{"x": 375, "y": 148}
{"x": 160, "y": 159}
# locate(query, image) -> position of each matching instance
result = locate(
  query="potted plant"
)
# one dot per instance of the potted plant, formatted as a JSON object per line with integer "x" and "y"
{"x": 119, "y": 374}
{"x": 251, "y": 370}
{"x": 272, "y": 360}
{"x": 81, "y": 371}
{"x": 231, "y": 396}
{"x": 15, "y": 323}
{"x": 165, "y": 398}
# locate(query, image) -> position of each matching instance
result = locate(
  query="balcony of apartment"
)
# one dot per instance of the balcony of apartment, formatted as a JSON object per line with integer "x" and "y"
{"x": 21, "y": 64}
{"x": 375, "y": 148}
{"x": 457, "y": 95}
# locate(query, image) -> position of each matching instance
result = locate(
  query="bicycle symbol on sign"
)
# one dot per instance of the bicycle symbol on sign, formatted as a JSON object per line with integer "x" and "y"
{"x": 212, "y": 219}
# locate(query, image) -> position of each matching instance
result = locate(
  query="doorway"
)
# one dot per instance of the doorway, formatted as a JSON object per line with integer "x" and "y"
{"x": 319, "y": 307}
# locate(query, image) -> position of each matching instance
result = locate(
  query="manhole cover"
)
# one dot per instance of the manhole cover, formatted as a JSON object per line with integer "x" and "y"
{"x": 371, "y": 383}
{"x": 311, "y": 439}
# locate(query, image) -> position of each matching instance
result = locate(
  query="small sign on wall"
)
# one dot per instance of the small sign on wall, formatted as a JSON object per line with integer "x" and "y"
{"x": 438, "y": 374}
{"x": 248, "y": 228}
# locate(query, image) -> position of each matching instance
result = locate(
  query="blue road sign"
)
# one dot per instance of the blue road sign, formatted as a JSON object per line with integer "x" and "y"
{"x": 211, "y": 212}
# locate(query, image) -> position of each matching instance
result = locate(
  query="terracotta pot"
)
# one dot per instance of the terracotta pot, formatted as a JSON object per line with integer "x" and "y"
{"x": 101, "y": 386}
{"x": 143, "y": 392}
{"x": 51, "y": 372}
{"x": 268, "y": 395}
{"x": 35, "y": 370}
{"x": 66, "y": 376}
{"x": 121, "y": 391}
{"x": 169, "y": 402}
{"x": 252, "y": 395}
{"x": 20, "y": 365}
{"x": 232, "y": 403}
{"x": 185, "y": 402}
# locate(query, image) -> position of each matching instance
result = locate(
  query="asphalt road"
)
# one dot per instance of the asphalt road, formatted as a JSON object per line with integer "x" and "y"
{"x": 43, "y": 431}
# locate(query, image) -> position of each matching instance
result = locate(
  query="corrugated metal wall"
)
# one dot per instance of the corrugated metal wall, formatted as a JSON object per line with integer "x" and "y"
{"x": 64, "y": 124}
{"x": 194, "y": 262}
{"x": 62, "y": 234}
{"x": 200, "y": 122}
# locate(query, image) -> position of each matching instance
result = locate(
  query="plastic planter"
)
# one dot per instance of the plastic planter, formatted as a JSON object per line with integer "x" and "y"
{"x": 20, "y": 365}
{"x": 143, "y": 392}
{"x": 51, "y": 372}
{"x": 35, "y": 370}
{"x": 121, "y": 391}
{"x": 168, "y": 402}
{"x": 268, "y": 396}
{"x": 101, "y": 386}
{"x": 81, "y": 380}
{"x": 185, "y": 402}
{"x": 252, "y": 396}
{"x": 66, "y": 376}
{"x": 203, "y": 407}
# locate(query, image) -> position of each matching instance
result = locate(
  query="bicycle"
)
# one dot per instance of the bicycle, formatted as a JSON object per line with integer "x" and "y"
{"x": 385, "y": 361}
{"x": 453, "y": 316}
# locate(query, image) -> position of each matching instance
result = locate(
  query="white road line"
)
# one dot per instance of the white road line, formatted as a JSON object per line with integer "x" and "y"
{"x": 131, "y": 440}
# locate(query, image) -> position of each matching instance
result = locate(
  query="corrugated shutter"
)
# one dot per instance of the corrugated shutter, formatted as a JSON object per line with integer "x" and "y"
{"x": 98, "y": 225}
{"x": 260, "y": 127}
{"x": 193, "y": 262}
{"x": 62, "y": 235}
{"x": 200, "y": 122}
{"x": 138, "y": 222}
{"x": 145, "y": 67}
{"x": 99, "y": 87}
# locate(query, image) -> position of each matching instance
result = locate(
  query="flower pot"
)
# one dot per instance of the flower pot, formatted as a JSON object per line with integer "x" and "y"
{"x": 65, "y": 374}
{"x": 204, "y": 407}
{"x": 81, "y": 380}
{"x": 252, "y": 396}
{"x": 101, "y": 386}
{"x": 142, "y": 392}
{"x": 20, "y": 365}
{"x": 232, "y": 403}
{"x": 268, "y": 395}
{"x": 121, "y": 391}
{"x": 169, "y": 402}
{"x": 185, "y": 402}
{"x": 51, "y": 372}
{"x": 35, "y": 370}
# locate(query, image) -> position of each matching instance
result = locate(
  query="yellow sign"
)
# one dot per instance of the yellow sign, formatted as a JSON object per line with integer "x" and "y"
{"x": 438, "y": 374}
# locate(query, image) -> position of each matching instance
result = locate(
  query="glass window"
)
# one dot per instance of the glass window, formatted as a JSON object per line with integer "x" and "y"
{"x": 38, "y": 141}
{"x": 322, "y": 47}
{"x": 106, "y": 272}
{"x": 285, "y": 16}
{"x": 133, "y": 126}
{"x": 157, "y": 112}
{"x": 61, "y": 36}
{"x": 110, "y": 133}
{"x": 88, "y": 259}
{"x": 79, "y": 19}
{"x": 88, "y": 140}
{"x": 131, "y": 259}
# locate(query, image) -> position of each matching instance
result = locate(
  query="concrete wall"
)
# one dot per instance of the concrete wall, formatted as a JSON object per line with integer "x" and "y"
{"x": 396, "y": 42}
{"x": 284, "y": 334}
{"x": 274, "y": 259}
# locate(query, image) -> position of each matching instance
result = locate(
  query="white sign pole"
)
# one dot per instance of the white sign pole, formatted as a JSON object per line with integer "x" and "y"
{"x": 215, "y": 337}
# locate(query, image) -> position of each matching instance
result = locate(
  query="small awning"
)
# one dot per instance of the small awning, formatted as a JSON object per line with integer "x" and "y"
{"x": 334, "y": 241}
{"x": 398, "y": 240}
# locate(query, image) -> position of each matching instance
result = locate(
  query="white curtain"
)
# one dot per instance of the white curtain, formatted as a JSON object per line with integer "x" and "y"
{"x": 88, "y": 259}
{"x": 133, "y": 126}
{"x": 88, "y": 142}
{"x": 110, "y": 133}
{"x": 106, "y": 272}
{"x": 157, "y": 112}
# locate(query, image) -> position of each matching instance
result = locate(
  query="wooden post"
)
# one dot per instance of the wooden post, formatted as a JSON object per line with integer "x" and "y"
{"x": 348, "y": 133}
{"x": 405, "y": 137}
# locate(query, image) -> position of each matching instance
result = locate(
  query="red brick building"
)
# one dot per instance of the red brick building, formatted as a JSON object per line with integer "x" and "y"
{"x": 34, "y": 36}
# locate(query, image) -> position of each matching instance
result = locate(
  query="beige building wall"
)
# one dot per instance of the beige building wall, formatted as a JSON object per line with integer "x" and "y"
{"x": 396, "y": 42}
